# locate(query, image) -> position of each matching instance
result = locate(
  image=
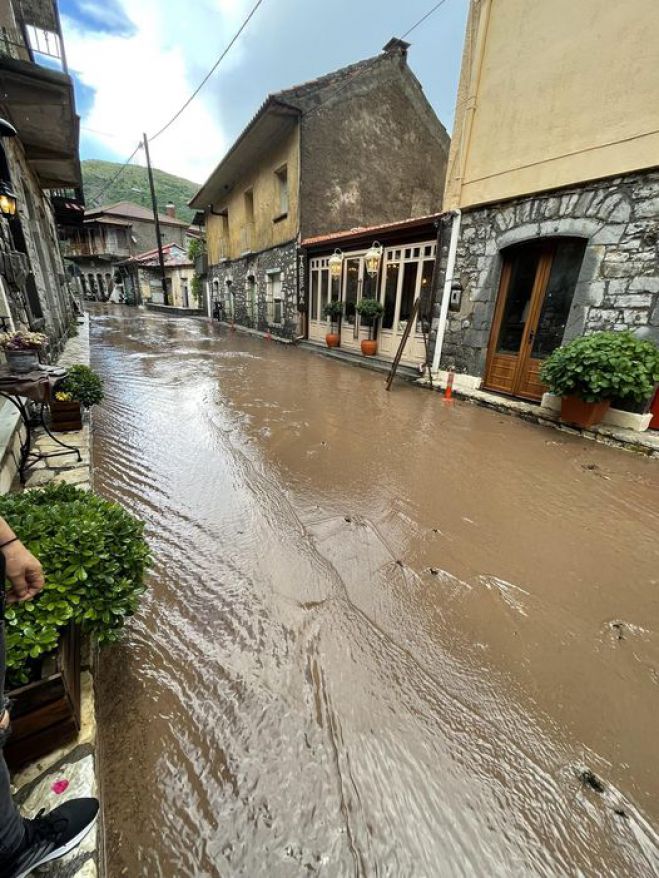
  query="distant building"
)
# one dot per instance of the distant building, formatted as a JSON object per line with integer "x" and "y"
{"x": 143, "y": 278}
{"x": 110, "y": 235}
{"x": 360, "y": 146}
{"x": 554, "y": 168}
{"x": 39, "y": 166}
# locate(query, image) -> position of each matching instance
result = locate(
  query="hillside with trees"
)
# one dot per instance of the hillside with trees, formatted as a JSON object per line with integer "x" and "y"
{"x": 133, "y": 185}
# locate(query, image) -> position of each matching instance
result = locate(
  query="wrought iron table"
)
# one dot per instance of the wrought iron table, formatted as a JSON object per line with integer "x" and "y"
{"x": 36, "y": 386}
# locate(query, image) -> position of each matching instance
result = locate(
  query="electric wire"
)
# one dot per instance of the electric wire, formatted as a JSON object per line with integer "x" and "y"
{"x": 372, "y": 63}
{"x": 209, "y": 74}
{"x": 182, "y": 109}
{"x": 219, "y": 60}
{"x": 98, "y": 198}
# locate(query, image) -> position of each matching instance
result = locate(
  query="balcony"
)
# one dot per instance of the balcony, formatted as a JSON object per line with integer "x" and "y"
{"x": 73, "y": 248}
{"x": 68, "y": 206}
{"x": 36, "y": 92}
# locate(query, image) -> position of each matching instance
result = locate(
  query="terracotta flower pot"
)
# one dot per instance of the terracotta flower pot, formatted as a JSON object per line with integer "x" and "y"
{"x": 583, "y": 414}
{"x": 332, "y": 340}
{"x": 369, "y": 347}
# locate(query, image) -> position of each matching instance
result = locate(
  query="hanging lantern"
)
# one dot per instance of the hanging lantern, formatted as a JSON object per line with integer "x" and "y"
{"x": 336, "y": 263}
{"x": 372, "y": 258}
{"x": 7, "y": 200}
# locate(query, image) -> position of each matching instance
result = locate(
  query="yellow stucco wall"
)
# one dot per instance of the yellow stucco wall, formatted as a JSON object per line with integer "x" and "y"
{"x": 176, "y": 276}
{"x": 263, "y": 182}
{"x": 553, "y": 93}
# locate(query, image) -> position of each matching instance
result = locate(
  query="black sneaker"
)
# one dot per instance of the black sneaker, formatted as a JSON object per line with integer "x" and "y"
{"x": 50, "y": 836}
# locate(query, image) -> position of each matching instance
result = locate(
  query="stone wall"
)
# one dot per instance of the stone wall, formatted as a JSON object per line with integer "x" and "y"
{"x": 284, "y": 259}
{"x": 374, "y": 153}
{"x": 618, "y": 286}
{"x": 39, "y": 266}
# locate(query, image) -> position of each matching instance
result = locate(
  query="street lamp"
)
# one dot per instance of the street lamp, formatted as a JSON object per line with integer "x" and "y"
{"x": 7, "y": 196}
{"x": 336, "y": 263}
{"x": 372, "y": 258}
{"x": 7, "y": 200}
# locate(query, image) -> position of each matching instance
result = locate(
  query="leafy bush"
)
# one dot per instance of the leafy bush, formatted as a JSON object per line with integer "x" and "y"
{"x": 94, "y": 556}
{"x": 333, "y": 310}
{"x": 369, "y": 310}
{"x": 196, "y": 288}
{"x": 604, "y": 365}
{"x": 83, "y": 384}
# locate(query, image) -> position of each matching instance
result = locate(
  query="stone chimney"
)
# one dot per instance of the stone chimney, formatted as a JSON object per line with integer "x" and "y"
{"x": 170, "y": 210}
{"x": 396, "y": 47}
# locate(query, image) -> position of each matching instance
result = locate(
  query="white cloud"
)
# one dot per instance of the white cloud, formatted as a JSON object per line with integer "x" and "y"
{"x": 141, "y": 80}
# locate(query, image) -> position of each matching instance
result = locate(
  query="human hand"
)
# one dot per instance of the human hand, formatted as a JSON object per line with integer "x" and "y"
{"x": 24, "y": 572}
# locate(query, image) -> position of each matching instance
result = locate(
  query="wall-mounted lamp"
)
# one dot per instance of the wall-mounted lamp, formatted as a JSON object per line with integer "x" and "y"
{"x": 336, "y": 263}
{"x": 7, "y": 200}
{"x": 7, "y": 195}
{"x": 372, "y": 258}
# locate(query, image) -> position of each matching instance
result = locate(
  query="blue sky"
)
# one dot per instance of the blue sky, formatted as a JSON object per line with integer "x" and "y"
{"x": 134, "y": 64}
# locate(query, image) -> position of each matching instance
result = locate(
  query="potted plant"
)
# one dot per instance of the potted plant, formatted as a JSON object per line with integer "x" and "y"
{"x": 370, "y": 311}
{"x": 80, "y": 387}
{"x": 95, "y": 559}
{"x": 334, "y": 311}
{"x": 21, "y": 349}
{"x": 590, "y": 371}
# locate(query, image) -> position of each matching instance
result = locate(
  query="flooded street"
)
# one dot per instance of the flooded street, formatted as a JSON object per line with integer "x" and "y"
{"x": 383, "y": 636}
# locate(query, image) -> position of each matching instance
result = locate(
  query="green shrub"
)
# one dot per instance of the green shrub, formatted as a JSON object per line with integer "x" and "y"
{"x": 94, "y": 556}
{"x": 369, "y": 310}
{"x": 333, "y": 309}
{"x": 604, "y": 365}
{"x": 84, "y": 385}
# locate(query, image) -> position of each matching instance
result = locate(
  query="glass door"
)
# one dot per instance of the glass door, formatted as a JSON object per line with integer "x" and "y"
{"x": 407, "y": 275}
{"x": 533, "y": 306}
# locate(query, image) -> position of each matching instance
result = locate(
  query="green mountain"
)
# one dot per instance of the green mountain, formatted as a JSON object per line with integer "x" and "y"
{"x": 133, "y": 185}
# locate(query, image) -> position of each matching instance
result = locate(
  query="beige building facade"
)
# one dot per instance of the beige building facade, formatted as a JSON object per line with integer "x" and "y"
{"x": 553, "y": 175}
{"x": 314, "y": 160}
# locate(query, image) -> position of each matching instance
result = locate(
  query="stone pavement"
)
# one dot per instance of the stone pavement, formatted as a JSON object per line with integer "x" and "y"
{"x": 70, "y": 771}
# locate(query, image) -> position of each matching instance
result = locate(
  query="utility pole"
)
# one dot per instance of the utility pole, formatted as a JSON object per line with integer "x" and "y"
{"x": 154, "y": 202}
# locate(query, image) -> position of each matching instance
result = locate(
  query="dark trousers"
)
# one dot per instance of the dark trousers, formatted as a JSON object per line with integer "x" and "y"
{"x": 11, "y": 824}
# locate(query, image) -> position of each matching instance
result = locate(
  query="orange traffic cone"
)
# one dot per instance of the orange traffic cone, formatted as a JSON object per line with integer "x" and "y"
{"x": 448, "y": 393}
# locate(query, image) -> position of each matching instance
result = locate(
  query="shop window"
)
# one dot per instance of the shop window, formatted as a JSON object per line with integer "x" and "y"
{"x": 390, "y": 288}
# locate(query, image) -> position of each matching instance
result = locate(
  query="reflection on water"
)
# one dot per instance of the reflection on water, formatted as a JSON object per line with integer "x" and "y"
{"x": 383, "y": 637}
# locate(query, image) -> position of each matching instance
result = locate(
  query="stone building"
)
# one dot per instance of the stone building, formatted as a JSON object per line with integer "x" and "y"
{"x": 358, "y": 147}
{"x": 554, "y": 184}
{"x": 39, "y": 166}
{"x": 143, "y": 280}
{"x": 110, "y": 235}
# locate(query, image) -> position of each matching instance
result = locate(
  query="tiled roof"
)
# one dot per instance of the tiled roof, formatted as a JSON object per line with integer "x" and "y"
{"x": 174, "y": 256}
{"x": 361, "y": 231}
{"x": 130, "y": 210}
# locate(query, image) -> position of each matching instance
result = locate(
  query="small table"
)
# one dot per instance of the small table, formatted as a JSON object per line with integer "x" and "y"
{"x": 37, "y": 386}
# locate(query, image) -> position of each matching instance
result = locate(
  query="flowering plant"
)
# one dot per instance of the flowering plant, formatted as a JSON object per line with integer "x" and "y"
{"x": 63, "y": 397}
{"x": 22, "y": 340}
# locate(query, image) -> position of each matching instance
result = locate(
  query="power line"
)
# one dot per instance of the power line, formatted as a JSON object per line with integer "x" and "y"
{"x": 187, "y": 103}
{"x": 223, "y": 55}
{"x": 98, "y": 197}
{"x": 209, "y": 74}
{"x": 374, "y": 61}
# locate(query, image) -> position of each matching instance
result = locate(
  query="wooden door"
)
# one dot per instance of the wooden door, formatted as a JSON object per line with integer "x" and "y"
{"x": 533, "y": 305}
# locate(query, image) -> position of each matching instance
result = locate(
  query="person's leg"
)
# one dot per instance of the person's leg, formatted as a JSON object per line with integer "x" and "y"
{"x": 12, "y": 829}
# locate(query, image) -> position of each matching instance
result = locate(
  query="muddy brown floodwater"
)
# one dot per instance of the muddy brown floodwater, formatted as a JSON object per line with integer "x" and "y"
{"x": 383, "y": 637}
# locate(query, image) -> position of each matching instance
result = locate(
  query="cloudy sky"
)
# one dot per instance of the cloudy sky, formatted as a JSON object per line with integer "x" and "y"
{"x": 135, "y": 63}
